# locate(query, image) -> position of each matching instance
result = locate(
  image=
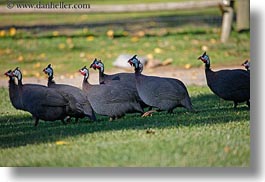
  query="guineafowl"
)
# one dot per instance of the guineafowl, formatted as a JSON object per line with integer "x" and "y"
{"x": 79, "y": 105}
{"x": 104, "y": 78}
{"x": 113, "y": 99}
{"x": 162, "y": 93}
{"x": 42, "y": 102}
{"x": 126, "y": 79}
{"x": 13, "y": 91}
{"x": 232, "y": 85}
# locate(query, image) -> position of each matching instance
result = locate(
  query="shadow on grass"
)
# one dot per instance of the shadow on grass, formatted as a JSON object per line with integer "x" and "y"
{"x": 148, "y": 22}
{"x": 18, "y": 130}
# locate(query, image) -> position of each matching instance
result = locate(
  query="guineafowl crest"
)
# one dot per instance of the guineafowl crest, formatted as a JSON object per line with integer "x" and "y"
{"x": 93, "y": 64}
{"x": 100, "y": 66}
{"x": 206, "y": 59}
{"x": 49, "y": 71}
{"x": 246, "y": 64}
{"x": 17, "y": 73}
{"x": 84, "y": 72}
{"x": 134, "y": 61}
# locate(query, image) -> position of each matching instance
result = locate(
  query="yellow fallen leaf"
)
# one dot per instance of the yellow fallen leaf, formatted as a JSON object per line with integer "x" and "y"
{"x": 60, "y": 142}
{"x": 134, "y": 39}
{"x": 20, "y": 58}
{"x": 24, "y": 72}
{"x": 37, "y": 74}
{"x": 150, "y": 56}
{"x": 187, "y": 66}
{"x": 12, "y": 31}
{"x": 2, "y": 33}
{"x": 42, "y": 55}
{"x": 204, "y": 48}
{"x": 158, "y": 50}
{"x": 168, "y": 61}
{"x": 82, "y": 54}
{"x": 37, "y": 65}
{"x": 55, "y": 33}
{"x": 85, "y": 30}
{"x": 61, "y": 46}
{"x": 110, "y": 33}
{"x": 90, "y": 38}
{"x": 141, "y": 33}
{"x": 69, "y": 40}
{"x": 213, "y": 41}
{"x": 125, "y": 33}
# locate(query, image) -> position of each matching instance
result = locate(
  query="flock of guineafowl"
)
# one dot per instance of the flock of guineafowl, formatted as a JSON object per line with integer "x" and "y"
{"x": 120, "y": 93}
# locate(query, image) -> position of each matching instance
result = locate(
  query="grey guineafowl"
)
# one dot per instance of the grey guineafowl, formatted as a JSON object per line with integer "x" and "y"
{"x": 232, "y": 85}
{"x": 104, "y": 78}
{"x": 162, "y": 93}
{"x": 126, "y": 79}
{"x": 13, "y": 91}
{"x": 112, "y": 100}
{"x": 42, "y": 102}
{"x": 79, "y": 105}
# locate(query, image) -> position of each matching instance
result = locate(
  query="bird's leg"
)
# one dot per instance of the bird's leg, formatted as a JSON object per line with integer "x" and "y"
{"x": 67, "y": 120}
{"x": 148, "y": 113}
{"x": 235, "y": 104}
{"x": 36, "y": 121}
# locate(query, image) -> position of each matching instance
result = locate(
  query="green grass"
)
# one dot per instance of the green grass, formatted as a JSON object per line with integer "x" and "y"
{"x": 70, "y": 53}
{"x": 54, "y": 19}
{"x": 217, "y": 135}
{"x": 69, "y": 47}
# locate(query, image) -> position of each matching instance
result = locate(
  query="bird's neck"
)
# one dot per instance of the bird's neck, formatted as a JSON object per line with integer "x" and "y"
{"x": 138, "y": 71}
{"x": 11, "y": 80}
{"x": 50, "y": 80}
{"x": 86, "y": 85}
{"x": 101, "y": 76}
{"x": 20, "y": 84}
{"x": 207, "y": 66}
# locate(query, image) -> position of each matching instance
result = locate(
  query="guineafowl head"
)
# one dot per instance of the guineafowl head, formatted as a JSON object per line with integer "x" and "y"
{"x": 9, "y": 73}
{"x": 206, "y": 59}
{"x": 84, "y": 71}
{"x": 93, "y": 64}
{"x": 99, "y": 65}
{"x": 49, "y": 71}
{"x": 138, "y": 67}
{"x": 17, "y": 73}
{"x": 246, "y": 64}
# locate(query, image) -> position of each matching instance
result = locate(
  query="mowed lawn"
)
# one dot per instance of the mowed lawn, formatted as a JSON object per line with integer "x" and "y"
{"x": 60, "y": 41}
{"x": 217, "y": 135}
